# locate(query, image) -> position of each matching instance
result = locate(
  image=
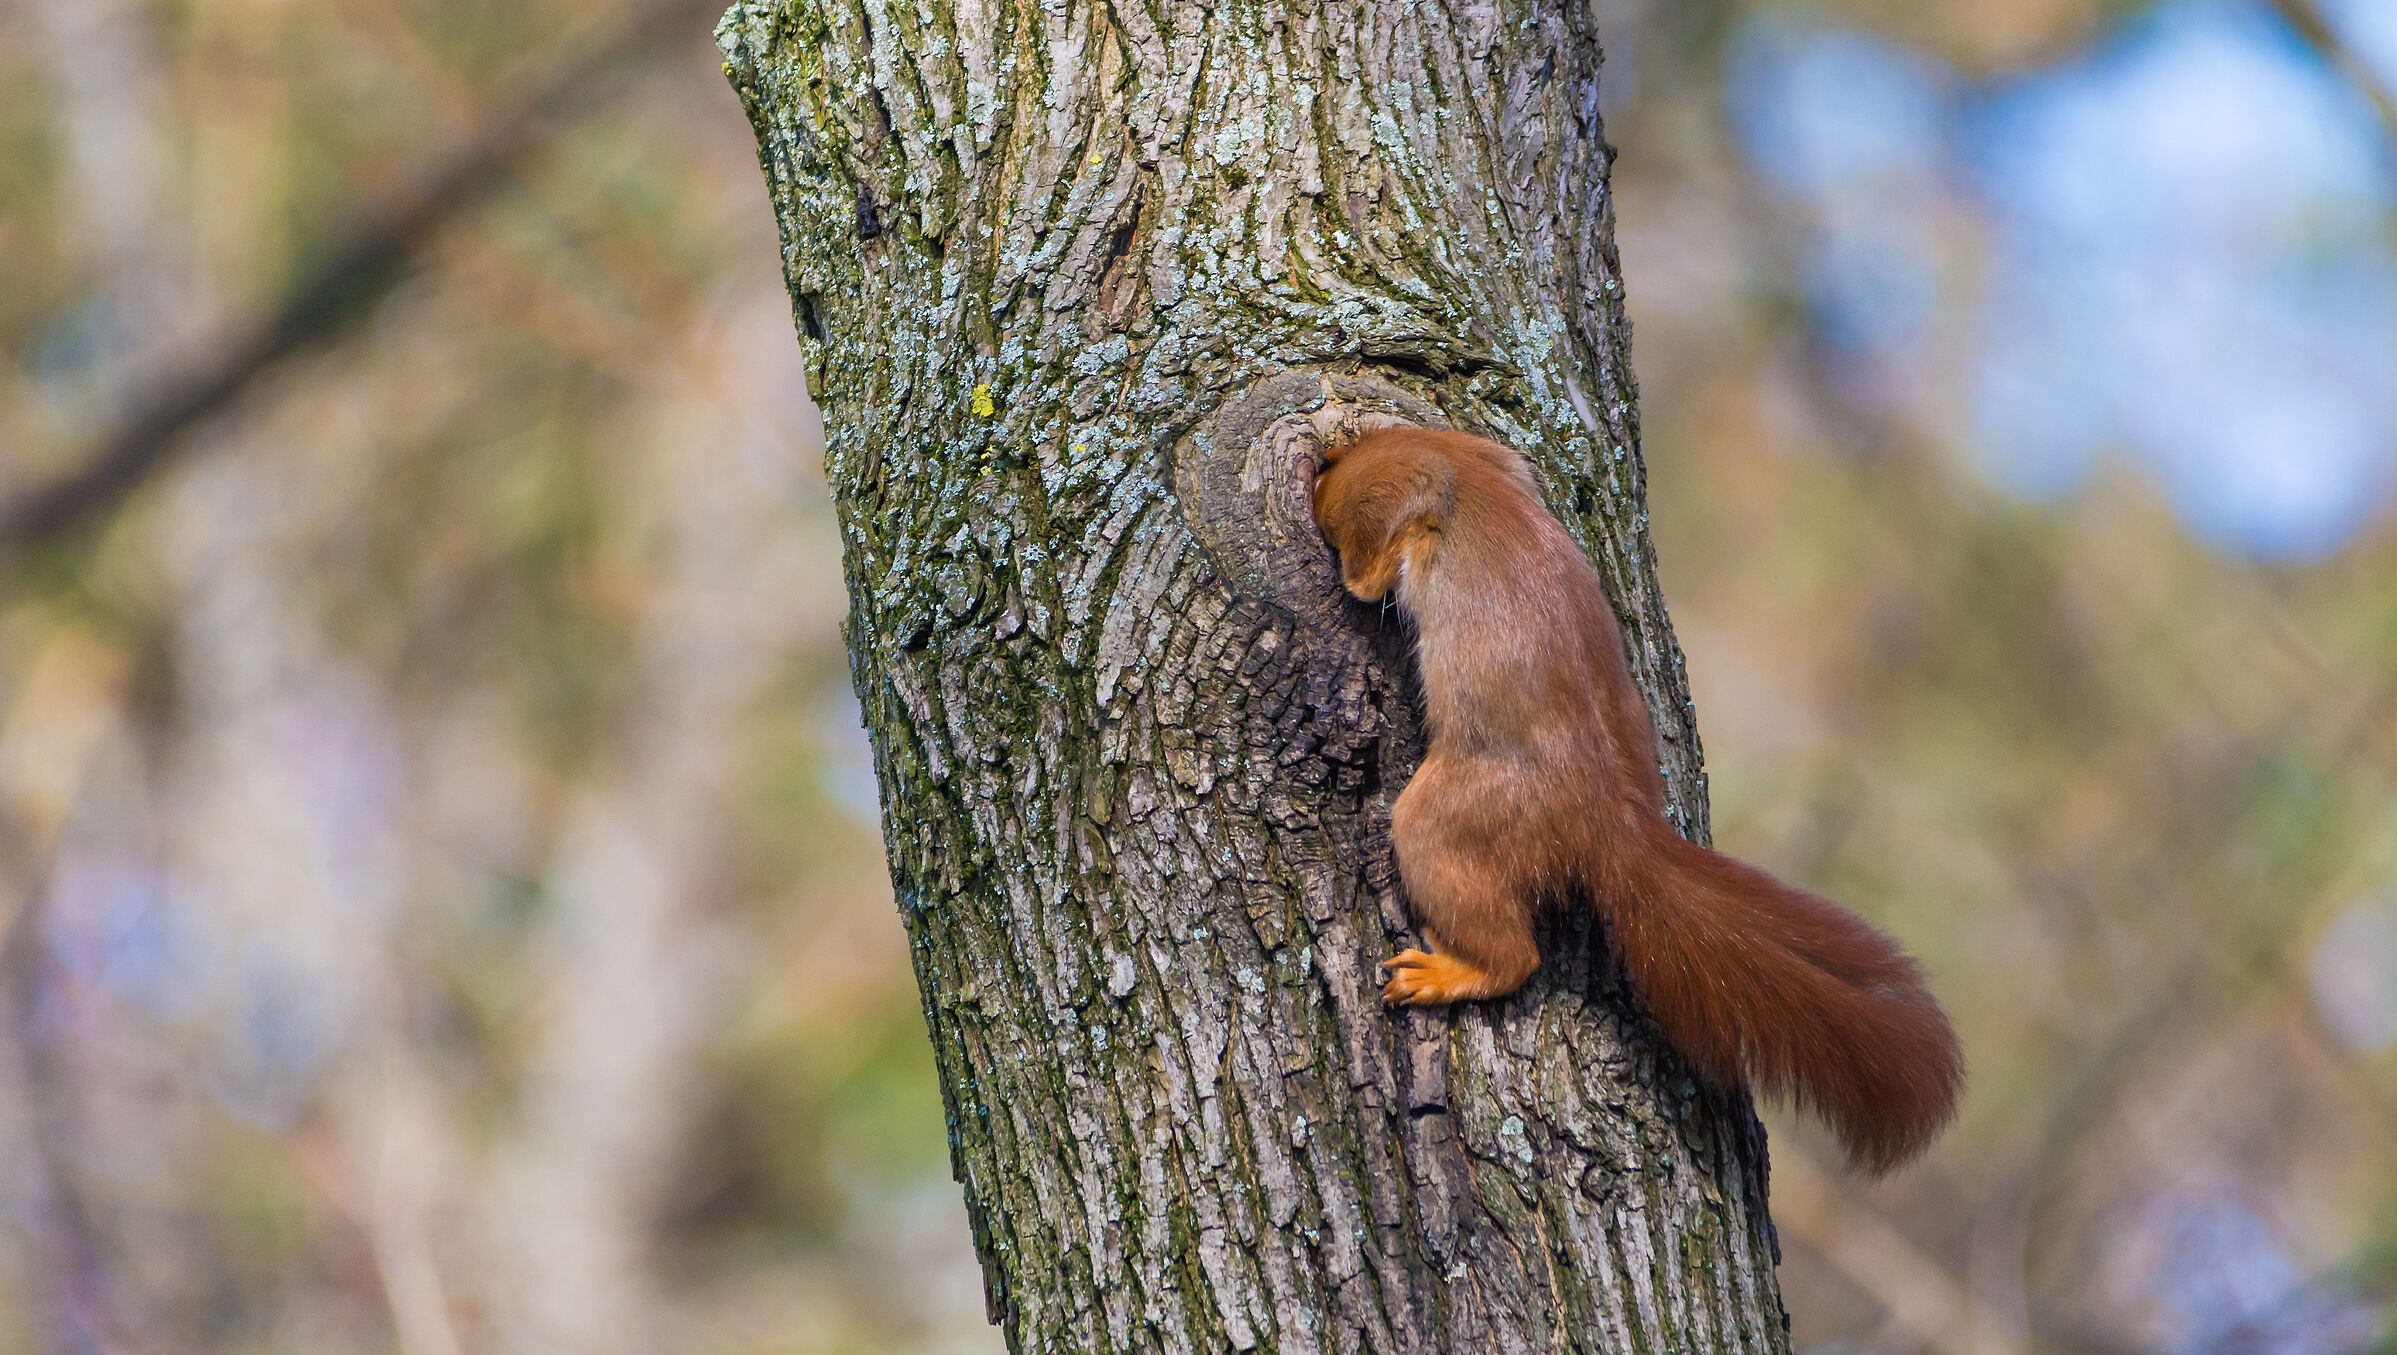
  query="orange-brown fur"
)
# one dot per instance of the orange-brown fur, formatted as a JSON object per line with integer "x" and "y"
{"x": 1541, "y": 783}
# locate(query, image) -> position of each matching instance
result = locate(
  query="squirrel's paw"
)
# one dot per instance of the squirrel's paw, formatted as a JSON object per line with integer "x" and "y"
{"x": 1420, "y": 979}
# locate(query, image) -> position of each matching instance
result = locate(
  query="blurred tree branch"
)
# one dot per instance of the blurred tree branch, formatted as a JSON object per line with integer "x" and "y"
{"x": 1916, "y": 1290}
{"x": 361, "y": 264}
{"x": 2306, "y": 18}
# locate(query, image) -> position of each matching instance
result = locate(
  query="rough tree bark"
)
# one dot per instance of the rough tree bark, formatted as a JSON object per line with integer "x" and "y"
{"x": 1066, "y": 273}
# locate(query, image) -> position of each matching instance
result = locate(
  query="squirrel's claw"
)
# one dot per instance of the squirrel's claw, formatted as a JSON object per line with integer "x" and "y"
{"x": 1420, "y": 979}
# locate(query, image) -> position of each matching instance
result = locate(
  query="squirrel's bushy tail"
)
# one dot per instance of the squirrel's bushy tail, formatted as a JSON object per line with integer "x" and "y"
{"x": 1743, "y": 972}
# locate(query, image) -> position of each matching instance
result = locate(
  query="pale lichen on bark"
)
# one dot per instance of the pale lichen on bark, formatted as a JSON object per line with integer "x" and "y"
{"x": 1060, "y": 270}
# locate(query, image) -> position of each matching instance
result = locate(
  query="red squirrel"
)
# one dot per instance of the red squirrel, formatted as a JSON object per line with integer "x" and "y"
{"x": 1541, "y": 783}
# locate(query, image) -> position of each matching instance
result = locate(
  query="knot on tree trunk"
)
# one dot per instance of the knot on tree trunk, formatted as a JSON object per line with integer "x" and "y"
{"x": 1246, "y": 476}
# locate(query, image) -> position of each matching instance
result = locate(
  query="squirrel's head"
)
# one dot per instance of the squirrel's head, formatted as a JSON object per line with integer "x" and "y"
{"x": 1382, "y": 502}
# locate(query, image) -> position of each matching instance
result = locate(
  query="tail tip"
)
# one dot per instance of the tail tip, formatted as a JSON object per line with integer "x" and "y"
{"x": 1900, "y": 1125}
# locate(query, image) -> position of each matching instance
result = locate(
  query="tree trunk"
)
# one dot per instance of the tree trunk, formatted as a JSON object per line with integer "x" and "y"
{"x": 1065, "y": 274}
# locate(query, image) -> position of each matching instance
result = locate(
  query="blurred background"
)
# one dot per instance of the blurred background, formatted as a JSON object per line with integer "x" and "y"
{"x": 443, "y": 899}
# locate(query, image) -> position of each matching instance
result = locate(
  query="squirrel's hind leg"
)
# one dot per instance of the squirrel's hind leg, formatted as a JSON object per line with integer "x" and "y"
{"x": 1453, "y": 858}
